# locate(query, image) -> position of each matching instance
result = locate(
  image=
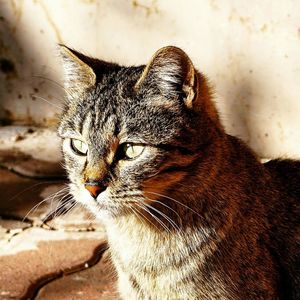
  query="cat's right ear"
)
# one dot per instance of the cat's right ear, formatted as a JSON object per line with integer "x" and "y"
{"x": 172, "y": 72}
{"x": 78, "y": 75}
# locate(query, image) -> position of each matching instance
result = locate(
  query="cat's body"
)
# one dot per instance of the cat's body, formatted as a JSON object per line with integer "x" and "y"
{"x": 209, "y": 261}
{"x": 190, "y": 212}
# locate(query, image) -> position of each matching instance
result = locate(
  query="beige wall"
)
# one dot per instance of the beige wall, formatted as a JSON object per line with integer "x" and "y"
{"x": 249, "y": 49}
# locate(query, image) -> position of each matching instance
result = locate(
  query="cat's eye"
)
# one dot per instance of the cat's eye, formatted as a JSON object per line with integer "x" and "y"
{"x": 79, "y": 147}
{"x": 132, "y": 150}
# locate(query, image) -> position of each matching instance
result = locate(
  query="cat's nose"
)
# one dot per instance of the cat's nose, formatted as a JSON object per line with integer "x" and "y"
{"x": 94, "y": 189}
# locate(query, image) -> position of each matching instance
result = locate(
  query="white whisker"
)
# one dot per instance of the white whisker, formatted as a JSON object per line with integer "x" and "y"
{"x": 31, "y": 187}
{"x": 43, "y": 201}
{"x": 143, "y": 216}
{"x": 167, "y": 197}
{"x": 167, "y": 206}
{"x": 155, "y": 218}
{"x": 172, "y": 223}
{"x": 42, "y": 98}
{"x": 54, "y": 82}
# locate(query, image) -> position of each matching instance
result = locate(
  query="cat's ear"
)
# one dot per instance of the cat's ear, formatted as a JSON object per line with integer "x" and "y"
{"x": 78, "y": 75}
{"x": 173, "y": 73}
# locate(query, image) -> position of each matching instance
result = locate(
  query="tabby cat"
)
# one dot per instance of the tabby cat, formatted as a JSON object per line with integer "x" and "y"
{"x": 189, "y": 210}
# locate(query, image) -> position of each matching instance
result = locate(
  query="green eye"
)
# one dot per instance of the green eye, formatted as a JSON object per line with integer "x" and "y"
{"x": 132, "y": 151}
{"x": 79, "y": 147}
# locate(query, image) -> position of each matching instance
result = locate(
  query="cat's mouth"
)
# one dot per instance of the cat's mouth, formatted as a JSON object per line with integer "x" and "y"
{"x": 109, "y": 204}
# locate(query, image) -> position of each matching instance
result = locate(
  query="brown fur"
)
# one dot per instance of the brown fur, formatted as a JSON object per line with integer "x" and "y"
{"x": 218, "y": 224}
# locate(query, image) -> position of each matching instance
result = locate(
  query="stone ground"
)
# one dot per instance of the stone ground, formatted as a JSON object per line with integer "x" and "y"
{"x": 63, "y": 258}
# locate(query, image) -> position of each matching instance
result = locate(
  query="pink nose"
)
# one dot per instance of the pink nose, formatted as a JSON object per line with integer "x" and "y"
{"x": 94, "y": 189}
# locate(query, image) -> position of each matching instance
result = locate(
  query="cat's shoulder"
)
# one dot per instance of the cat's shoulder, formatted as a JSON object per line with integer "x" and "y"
{"x": 284, "y": 166}
{"x": 287, "y": 172}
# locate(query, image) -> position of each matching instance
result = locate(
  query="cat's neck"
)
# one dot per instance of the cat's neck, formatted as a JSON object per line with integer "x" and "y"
{"x": 200, "y": 207}
{"x": 173, "y": 215}
{"x": 134, "y": 241}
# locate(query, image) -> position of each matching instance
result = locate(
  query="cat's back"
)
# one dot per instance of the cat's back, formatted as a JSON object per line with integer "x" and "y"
{"x": 276, "y": 186}
{"x": 284, "y": 219}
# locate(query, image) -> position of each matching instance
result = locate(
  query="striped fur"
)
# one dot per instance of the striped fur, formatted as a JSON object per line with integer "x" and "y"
{"x": 195, "y": 215}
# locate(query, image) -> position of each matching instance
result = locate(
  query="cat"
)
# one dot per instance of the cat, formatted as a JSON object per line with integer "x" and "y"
{"x": 189, "y": 210}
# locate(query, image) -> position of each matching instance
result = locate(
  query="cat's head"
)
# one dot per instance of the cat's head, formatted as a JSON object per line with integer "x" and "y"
{"x": 131, "y": 134}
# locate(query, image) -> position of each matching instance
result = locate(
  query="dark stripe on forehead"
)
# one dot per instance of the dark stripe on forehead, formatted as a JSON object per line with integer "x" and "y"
{"x": 83, "y": 121}
{"x": 102, "y": 117}
{"x": 79, "y": 117}
{"x": 102, "y": 109}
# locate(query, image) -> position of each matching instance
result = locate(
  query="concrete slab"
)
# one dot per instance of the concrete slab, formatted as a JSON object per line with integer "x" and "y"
{"x": 36, "y": 256}
{"x": 95, "y": 283}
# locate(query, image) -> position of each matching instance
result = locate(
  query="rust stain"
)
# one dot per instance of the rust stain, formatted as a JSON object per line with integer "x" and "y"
{"x": 89, "y": 1}
{"x": 10, "y": 116}
{"x": 214, "y": 5}
{"x": 17, "y": 8}
{"x": 264, "y": 28}
{"x": 51, "y": 22}
{"x": 245, "y": 21}
{"x": 149, "y": 9}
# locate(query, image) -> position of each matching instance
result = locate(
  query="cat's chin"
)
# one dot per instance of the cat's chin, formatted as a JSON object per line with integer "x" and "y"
{"x": 104, "y": 209}
{"x": 104, "y": 215}
{"x": 101, "y": 211}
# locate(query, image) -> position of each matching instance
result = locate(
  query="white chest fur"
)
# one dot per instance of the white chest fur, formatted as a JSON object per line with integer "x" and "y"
{"x": 158, "y": 265}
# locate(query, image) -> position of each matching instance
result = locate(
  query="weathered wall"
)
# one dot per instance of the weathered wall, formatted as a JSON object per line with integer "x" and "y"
{"x": 249, "y": 49}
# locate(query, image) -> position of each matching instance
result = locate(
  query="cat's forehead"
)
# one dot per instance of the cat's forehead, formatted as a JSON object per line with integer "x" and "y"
{"x": 113, "y": 107}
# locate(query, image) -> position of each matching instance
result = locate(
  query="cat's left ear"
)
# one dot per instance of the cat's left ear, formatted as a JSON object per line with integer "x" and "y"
{"x": 78, "y": 75}
{"x": 172, "y": 72}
